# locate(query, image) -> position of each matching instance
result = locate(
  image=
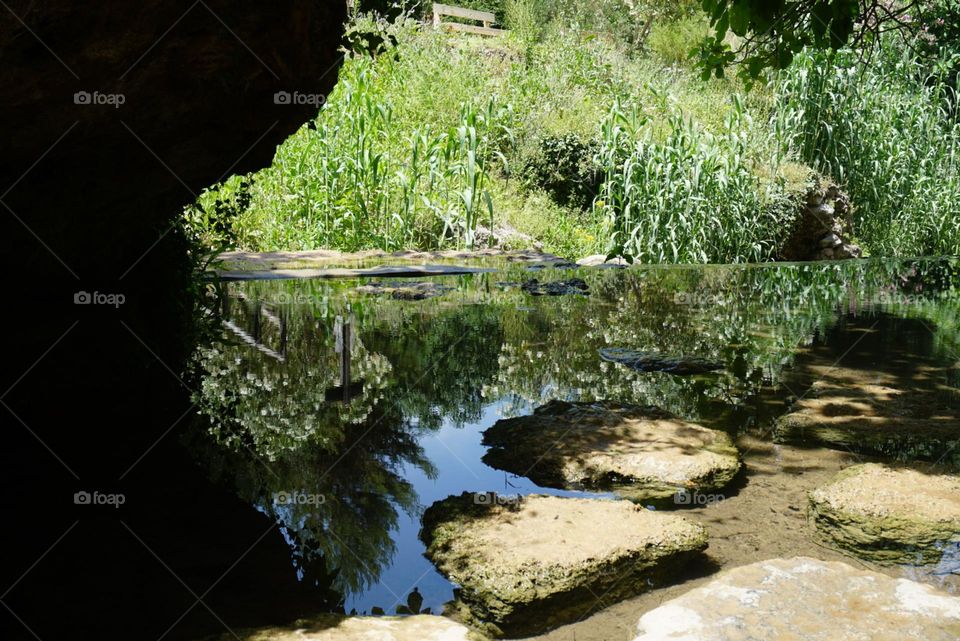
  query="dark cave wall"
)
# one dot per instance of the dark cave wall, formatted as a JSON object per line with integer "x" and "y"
{"x": 98, "y": 183}
{"x": 93, "y": 396}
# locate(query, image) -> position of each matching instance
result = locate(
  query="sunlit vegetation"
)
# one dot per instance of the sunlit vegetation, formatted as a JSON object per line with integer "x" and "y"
{"x": 589, "y": 128}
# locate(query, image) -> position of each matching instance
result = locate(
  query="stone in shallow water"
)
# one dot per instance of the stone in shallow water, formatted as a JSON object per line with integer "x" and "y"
{"x": 538, "y": 561}
{"x": 340, "y": 628}
{"x": 405, "y": 290}
{"x": 641, "y": 453}
{"x": 893, "y": 515}
{"x": 903, "y": 414}
{"x": 804, "y": 599}
{"x": 556, "y": 287}
{"x": 656, "y": 362}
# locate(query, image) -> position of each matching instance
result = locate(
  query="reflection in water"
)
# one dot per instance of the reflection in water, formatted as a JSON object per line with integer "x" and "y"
{"x": 344, "y": 447}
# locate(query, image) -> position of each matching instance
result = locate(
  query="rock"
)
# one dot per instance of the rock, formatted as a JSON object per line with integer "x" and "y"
{"x": 136, "y": 139}
{"x": 822, "y": 211}
{"x": 600, "y": 260}
{"x": 890, "y": 515}
{"x": 655, "y": 362}
{"x": 556, "y": 288}
{"x": 804, "y": 599}
{"x": 894, "y": 406}
{"x": 823, "y": 220}
{"x": 504, "y": 237}
{"x": 641, "y": 453}
{"x": 535, "y": 562}
{"x": 847, "y": 251}
{"x": 830, "y": 240}
{"x": 361, "y": 628}
{"x": 405, "y": 291}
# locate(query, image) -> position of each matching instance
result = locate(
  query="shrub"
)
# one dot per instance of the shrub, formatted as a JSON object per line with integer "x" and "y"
{"x": 564, "y": 167}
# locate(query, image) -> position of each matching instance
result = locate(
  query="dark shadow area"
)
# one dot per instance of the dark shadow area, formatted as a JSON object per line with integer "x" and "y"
{"x": 115, "y": 117}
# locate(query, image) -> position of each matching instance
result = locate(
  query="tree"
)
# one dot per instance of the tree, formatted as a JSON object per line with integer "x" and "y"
{"x": 772, "y": 32}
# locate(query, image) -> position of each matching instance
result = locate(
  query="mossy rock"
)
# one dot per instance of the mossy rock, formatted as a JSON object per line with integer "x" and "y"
{"x": 890, "y": 515}
{"x": 538, "y": 561}
{"x": 640, "y": 453}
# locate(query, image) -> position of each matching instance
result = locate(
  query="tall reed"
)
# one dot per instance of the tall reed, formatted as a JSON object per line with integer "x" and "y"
{"x": 888, "y": 132}
{"x": 676, "y": 193}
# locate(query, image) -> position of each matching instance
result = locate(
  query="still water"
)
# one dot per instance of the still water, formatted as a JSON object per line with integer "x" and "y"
{"x": 344, "y": 441}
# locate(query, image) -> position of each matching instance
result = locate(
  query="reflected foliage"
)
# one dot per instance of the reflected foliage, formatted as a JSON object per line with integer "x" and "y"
{"x": 270, "y": 429}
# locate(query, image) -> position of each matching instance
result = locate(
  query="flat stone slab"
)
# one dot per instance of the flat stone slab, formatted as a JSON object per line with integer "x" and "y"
{"x": 641, "y": 453}
{"x": 343, "y": 272}
{"x": 646, "y": 361}
{"x": 804, "y": 599}
{"x": 894, "y": 515}
{"x": 405, "y": 291}
{"x": 538, "y": 561}
{"x": 567, "y": 287}
{"x": 904, "y": 415}
{"x": 326, "y": 263}
{"x": 362, "y": 628}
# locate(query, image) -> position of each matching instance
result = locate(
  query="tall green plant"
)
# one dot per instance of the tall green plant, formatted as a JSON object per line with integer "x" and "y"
{"x": 684, "y": 194}
{"x": 888, "y": 131}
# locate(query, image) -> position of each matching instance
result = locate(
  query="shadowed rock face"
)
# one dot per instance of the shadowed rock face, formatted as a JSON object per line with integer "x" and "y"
{"x": 119, "y": 115}
{"x": 116, "y": 115}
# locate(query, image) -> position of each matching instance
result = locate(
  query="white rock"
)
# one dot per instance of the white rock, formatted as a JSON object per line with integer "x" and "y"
{"x": 804, "y": 599}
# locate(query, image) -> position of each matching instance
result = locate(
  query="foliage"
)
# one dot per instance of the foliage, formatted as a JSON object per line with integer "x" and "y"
{"x": 363, "y": 175}
{"x": 687, "y": 195}
{"x": 676, "y": 41}
{"x": 564, "y": 167}
{"x": 889, "y": 133}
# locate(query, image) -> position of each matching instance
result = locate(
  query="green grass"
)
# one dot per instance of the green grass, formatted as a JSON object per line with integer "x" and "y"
{"x": 424, "y": 141}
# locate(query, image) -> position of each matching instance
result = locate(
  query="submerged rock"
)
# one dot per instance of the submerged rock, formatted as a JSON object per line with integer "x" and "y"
{"x": 890, "y": 515}
{"x": 405, "y": 291}
{"x": 804, "y": 599}
{"x": 556, "y": 287}
{"x": 361, "y": 628}
{"x": 641, "y": 453}
{"x": 656, "y": 362}
{"x": 875, "y": 411}
{"x": 539, "y": 561}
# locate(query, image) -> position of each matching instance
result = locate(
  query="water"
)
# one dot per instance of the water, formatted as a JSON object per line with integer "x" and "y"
{"x": 347, "y": 481}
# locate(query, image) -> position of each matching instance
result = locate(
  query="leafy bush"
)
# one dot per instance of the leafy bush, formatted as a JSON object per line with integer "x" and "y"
{"x": 564, "y": 167}
{"x": 685, "y": 194}
{"x": 675, "y": 42}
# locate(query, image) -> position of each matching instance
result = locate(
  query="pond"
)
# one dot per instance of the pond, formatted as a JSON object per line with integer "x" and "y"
{"x": 345, "y": 463}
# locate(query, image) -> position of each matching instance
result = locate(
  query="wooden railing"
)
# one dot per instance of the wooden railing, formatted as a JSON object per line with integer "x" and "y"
{"x": 484, "y": 17}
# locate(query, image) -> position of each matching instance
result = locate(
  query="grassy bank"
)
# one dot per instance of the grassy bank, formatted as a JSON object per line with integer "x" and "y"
{"x": 590, "y": 144}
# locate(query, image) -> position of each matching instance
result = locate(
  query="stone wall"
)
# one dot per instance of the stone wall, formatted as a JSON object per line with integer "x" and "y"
{"x": 823, "y": 227}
